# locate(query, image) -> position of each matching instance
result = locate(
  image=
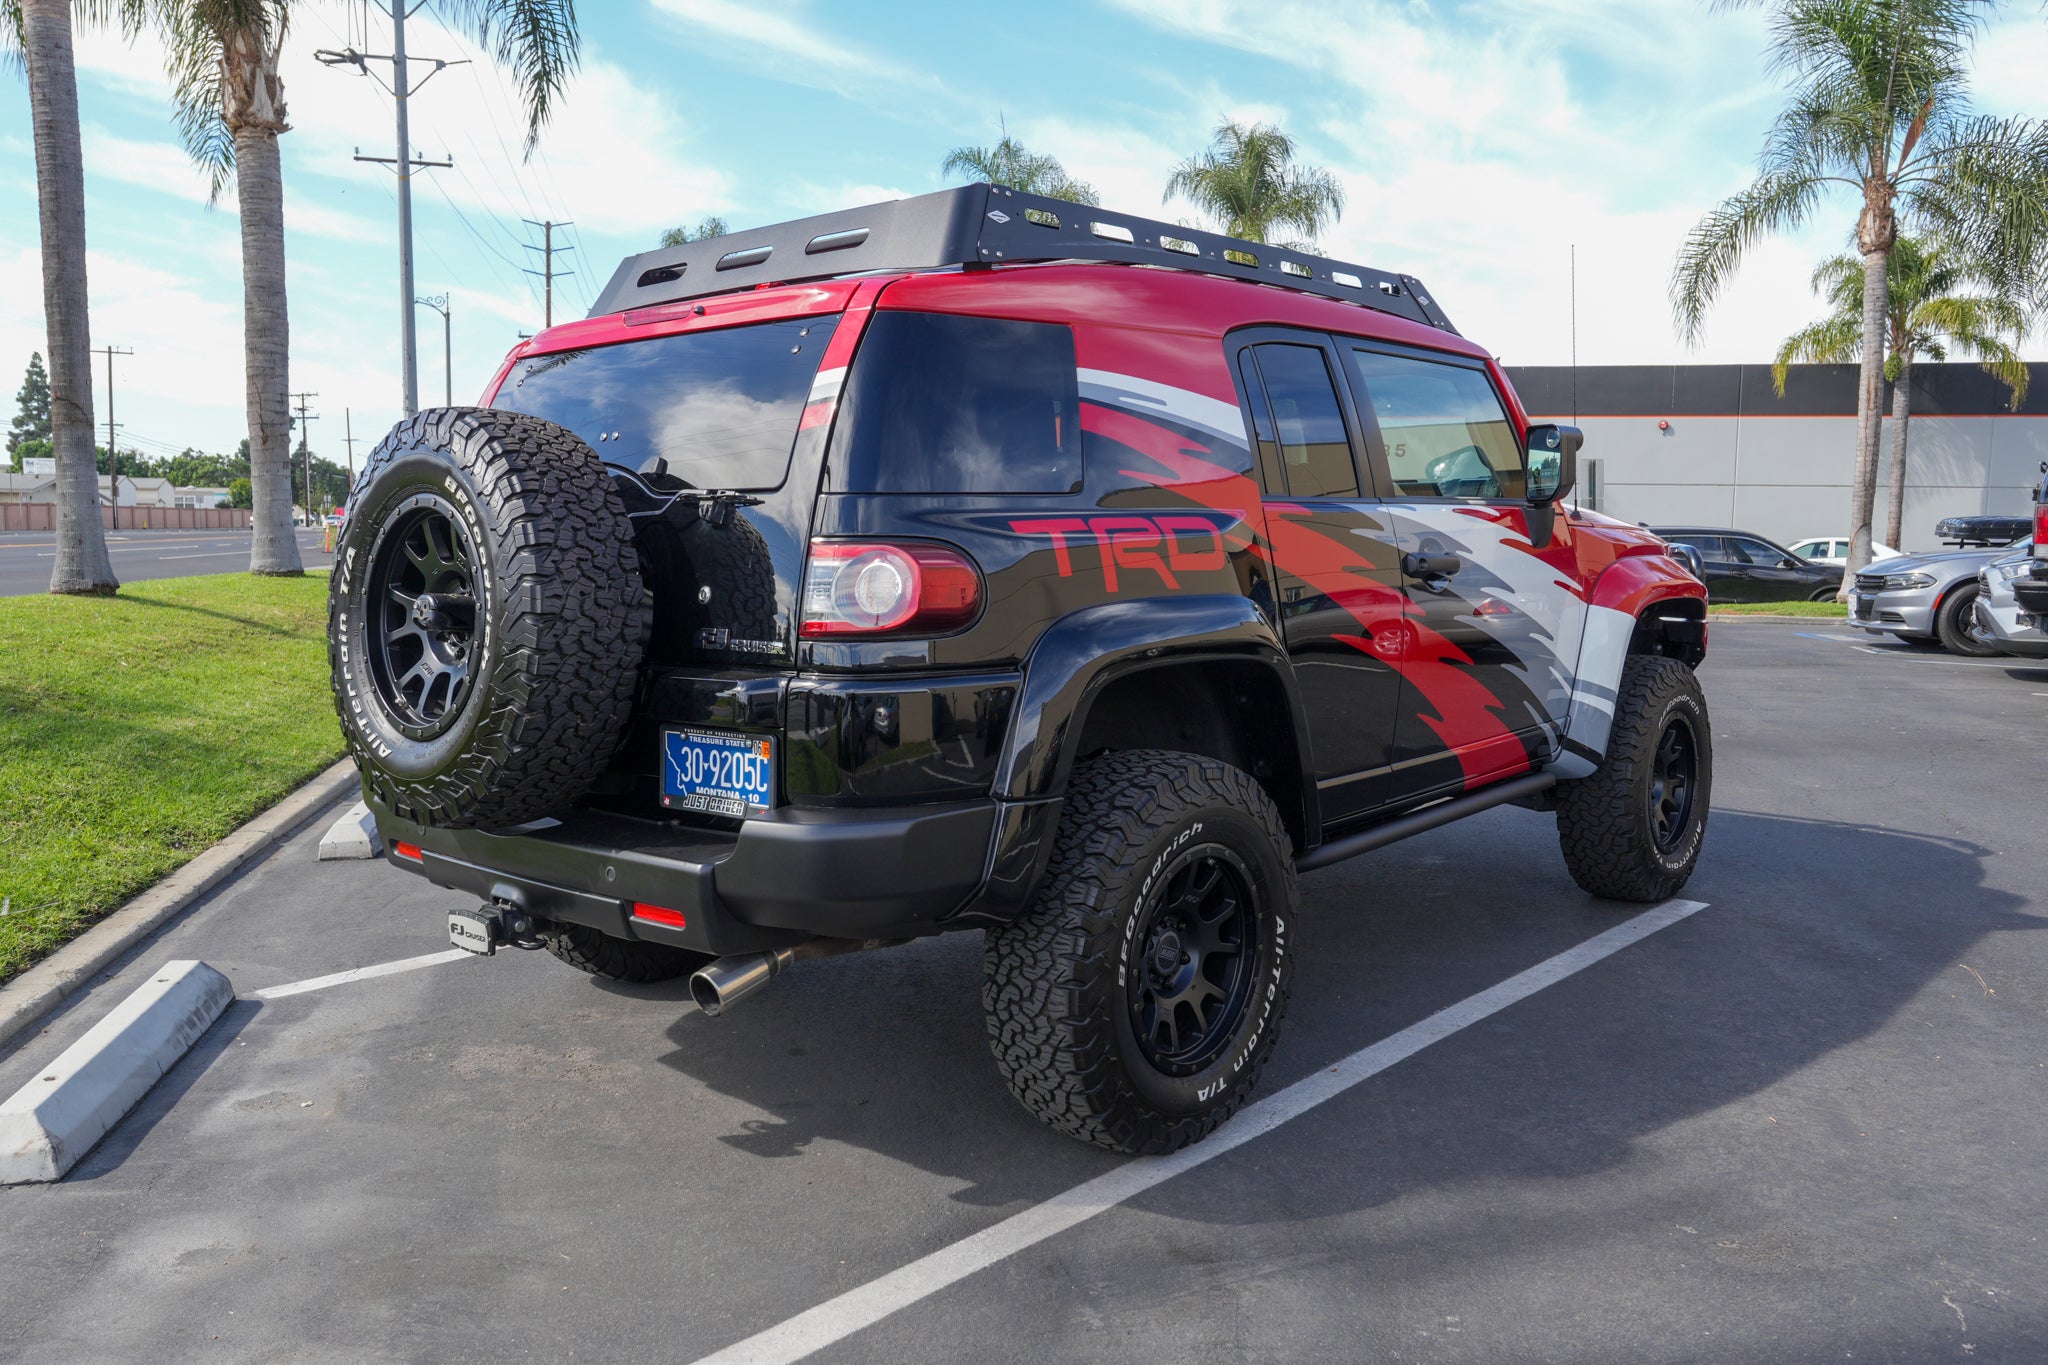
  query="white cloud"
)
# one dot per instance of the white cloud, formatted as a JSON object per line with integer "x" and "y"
{"x": 786, "y": 42}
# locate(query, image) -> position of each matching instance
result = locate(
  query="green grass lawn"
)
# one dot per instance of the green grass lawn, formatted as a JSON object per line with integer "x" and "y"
{"x": 1778, "y": 609}
{"x": 137, "y": 730}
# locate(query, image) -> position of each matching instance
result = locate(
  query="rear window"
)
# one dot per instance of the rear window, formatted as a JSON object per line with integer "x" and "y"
{"x": 720, "y": 407}
{"x": 942, "y": 404}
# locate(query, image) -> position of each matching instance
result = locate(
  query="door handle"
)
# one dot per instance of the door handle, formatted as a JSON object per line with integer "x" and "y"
{"x": 1426, "y": 567}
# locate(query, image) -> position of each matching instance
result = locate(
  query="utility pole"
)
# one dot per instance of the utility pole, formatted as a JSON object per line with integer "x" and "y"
{"x": 348, "y": 426}
{"x": 306, "y": 449}
{"x": 402, "y": 88}
{"x": 548, "y": 272}
{"x": 444, "y": 304}
{"x": 113, "y": 459}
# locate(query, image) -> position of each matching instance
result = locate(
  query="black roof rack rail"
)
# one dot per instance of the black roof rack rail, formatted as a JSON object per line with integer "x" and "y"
{"x": 984, "y": 225}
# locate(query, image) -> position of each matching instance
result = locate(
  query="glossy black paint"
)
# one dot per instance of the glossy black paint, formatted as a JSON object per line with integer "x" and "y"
{"x": 1744, "y": 567}
{"x": 857, "y": 741}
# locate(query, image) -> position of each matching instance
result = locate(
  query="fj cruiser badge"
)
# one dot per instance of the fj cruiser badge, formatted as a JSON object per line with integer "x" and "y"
{"x": 997, "y": 215}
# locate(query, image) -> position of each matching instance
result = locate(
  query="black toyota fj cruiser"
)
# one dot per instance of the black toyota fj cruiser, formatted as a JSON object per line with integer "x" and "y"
{"x": 985, "y": 561}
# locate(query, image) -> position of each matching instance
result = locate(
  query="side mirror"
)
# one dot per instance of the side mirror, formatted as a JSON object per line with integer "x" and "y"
{"x": 1689, "y": 556}
{"x": 1553, "y": 458}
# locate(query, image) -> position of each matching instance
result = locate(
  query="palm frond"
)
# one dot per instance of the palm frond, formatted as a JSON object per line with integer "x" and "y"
{"x": 1715, "y": 247}
{"x": 537, "y": 39}
{"x": 1834, "y": 340}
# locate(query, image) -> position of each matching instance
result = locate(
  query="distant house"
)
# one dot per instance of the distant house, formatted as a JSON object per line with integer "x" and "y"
{"x": 133, "y": 491}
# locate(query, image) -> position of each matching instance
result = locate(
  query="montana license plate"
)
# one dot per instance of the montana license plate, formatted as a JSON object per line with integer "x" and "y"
{"x": 717, "y": 772}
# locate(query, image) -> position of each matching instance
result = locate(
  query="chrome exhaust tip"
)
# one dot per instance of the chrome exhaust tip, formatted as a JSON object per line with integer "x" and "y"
{"x": 719, "y": 985}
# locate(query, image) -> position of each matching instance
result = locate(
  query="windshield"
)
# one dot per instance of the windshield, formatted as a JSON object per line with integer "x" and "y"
{"x": 719, "y": 407}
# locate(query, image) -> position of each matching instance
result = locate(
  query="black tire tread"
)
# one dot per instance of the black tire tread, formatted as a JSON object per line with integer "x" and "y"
{"x": 1597, "y": 816}
{"x": 618, "y": 959}
{"x": 1952, "y": 624}
{"x": 572, "y": 617}
{"x": 1046, "y": 972}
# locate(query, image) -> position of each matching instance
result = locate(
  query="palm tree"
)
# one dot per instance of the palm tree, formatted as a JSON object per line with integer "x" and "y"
{"x": 1927, "y": 309}
{"x": 1248, "y": 181}
{"x": 224, "y": 74}
{"x": 1879, "y": 107}
{"x": 704, "y": 231}
{"x": 42, "y": 29}
{"x": 1011, "y": 163}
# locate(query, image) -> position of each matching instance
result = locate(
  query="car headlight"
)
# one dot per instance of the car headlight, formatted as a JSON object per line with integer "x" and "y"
{"x": 1893, "y": 582}
{"x": 2006, "y": 573}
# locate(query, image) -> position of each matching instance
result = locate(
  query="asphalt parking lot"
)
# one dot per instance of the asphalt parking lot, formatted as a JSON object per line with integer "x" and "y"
{"x": 1802, "y": 1123}
{"x": 25, "y": 555}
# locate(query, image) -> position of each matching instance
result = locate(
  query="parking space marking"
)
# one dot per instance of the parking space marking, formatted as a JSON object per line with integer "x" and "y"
{"x": 838, "y": 1318}
{"x": 2010, "y": 660}
{"x": 404, "y": 964}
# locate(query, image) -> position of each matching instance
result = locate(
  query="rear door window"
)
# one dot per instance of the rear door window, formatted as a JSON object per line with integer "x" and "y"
{"x": 939, "y": 403}
{"x": 720, "y": 407}
{"x": 1445, "y": 431}
{"x": 1300, "y": 421}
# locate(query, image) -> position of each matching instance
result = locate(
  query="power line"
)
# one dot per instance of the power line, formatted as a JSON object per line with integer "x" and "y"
{"x": 402, "y": 88}
{"x": 306, "y": 448}
{"x": 113, "y": 451}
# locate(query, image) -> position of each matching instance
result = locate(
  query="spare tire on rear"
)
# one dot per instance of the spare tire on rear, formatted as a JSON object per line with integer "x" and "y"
{"x": 486, "y": 619}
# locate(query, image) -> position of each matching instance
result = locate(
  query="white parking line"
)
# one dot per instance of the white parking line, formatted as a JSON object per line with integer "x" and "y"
{"x": 404, "y": 964}
{"x": 2010, "y": 661}
{"x": 836, "y": 1319}
{"x": 217, "y": 554}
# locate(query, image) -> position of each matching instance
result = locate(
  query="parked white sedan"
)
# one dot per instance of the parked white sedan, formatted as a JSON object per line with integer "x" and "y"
{"x": 1835, "y": 550}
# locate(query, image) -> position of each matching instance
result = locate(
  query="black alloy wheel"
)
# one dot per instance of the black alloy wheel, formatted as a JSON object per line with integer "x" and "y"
{"x": 1674, "y": 776}
{"x": 422, "y": 585}
{"x": 1188, "y": 964}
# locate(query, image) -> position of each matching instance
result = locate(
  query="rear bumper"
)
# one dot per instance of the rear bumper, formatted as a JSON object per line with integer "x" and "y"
{"x": 794, "y": 874}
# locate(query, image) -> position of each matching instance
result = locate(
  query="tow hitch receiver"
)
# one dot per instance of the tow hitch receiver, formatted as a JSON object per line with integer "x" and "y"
{"x": 479, "y": 931}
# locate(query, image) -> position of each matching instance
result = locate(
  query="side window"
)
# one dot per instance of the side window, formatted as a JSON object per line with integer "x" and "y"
{"x": 1713, "y": 548}
{"x": 1446, "y": 434}
{"x": 1305, "y": 421}
{"x": 1757, "y": 552}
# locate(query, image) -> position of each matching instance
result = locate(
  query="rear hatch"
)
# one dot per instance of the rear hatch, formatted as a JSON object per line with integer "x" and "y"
{"x": 714, "y": 441}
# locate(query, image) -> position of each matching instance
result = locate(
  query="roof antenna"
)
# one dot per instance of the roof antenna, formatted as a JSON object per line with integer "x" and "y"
{"x": 1575, "y": 363}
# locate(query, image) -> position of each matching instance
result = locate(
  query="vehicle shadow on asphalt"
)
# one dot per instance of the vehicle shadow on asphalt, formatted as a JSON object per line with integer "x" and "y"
{"x": 1818, "y": 932}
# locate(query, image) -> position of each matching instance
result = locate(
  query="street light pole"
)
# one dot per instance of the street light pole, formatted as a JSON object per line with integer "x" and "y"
{"x": 444, "y": 304}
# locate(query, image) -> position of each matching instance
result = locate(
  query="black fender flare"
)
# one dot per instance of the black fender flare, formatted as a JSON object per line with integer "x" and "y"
{"x": 1085, "y": 651}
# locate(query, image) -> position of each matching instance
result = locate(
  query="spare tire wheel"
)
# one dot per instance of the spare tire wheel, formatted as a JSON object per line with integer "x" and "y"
{"x": 486, "y": 619}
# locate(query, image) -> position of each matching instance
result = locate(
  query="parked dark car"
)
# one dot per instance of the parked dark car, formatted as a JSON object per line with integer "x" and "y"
{"x": 1741, "y": 567}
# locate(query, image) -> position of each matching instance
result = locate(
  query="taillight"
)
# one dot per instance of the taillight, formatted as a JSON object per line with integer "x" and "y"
{"x": 2041, "y": 530}
{"x": 659, "y": 914}
{"x": 862, "y": 588}
{"x": 410, "y": 852}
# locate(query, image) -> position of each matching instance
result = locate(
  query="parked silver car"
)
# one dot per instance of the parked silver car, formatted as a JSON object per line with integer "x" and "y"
{"x": 2001, "y": 620}
{"x": 1924, "y": 598}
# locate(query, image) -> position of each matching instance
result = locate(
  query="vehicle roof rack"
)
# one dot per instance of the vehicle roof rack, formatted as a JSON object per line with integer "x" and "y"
{"x": 986, "y": 225}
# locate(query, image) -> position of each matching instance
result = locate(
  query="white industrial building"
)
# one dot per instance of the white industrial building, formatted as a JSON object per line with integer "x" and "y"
{"x": 1714, "y": 445}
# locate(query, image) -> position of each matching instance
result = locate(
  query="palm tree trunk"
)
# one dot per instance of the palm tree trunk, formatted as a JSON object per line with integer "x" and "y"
{"x": 259, "y": 187}
{"x": 81, "y": 564}
{"x": 1902, "y": 417}
{"x": 1869, "y": 416}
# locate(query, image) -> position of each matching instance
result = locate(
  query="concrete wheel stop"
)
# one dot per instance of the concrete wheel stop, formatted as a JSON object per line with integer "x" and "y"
{"x": 354, "y": 835}
{"x": 69, "y": 1105}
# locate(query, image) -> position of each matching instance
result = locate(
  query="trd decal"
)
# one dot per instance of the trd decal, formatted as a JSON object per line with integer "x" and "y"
{"x": 1167, "y": 545}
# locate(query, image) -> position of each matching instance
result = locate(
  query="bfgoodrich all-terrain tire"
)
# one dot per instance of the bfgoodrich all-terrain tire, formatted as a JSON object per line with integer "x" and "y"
{"x": 486, "y": 619}
{"x": 617, "y": 959}
{"x": 1134, "y": 1006}
{"x": 1633, "y": 830}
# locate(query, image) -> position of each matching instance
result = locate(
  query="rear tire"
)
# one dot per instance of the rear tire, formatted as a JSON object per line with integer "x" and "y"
{"x": 1956, "y": 624}
{"x": 1633, "y": 830}
{"x": 618, "y": 959}
{"x": 1825, "y": 595}
{"x": 1134, "y": 1006}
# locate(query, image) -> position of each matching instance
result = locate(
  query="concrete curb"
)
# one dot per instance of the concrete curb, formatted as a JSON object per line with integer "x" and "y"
{"x": 48, "y": 1124}
{"x": 40, "y": 989}
{"x": 354, "y": 835}
{"x": 1758, "y": 616}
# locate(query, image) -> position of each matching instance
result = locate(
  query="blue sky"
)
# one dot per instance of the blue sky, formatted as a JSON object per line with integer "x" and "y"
{"x": 1477, "y": 143}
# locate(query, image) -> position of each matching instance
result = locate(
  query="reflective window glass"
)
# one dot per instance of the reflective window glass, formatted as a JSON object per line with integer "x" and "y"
{"x": 1446, "y": 434}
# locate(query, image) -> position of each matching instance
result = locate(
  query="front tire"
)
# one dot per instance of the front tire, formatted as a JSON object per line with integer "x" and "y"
{"x": 1956, "y": 624}
{"x": 1633, "y": 830}
{"x": 1134, "y": 1006}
